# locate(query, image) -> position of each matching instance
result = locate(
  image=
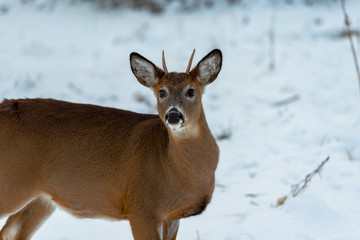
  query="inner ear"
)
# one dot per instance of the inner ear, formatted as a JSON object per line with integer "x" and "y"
{"x": 207, "y": 70}
{"x": 144, "y": 70}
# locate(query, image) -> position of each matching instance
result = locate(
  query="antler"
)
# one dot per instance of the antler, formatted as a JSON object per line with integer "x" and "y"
{"x": 163, "y": 63}
{"x": 190, "y": 61}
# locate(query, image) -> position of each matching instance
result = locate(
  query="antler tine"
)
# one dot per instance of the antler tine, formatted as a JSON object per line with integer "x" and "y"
{"x": 163, "y": 63}
{"x": 190, "y": 61}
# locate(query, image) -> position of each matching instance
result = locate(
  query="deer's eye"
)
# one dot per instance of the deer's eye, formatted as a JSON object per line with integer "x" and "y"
{"x": 162, "y": 93}
{"x": 190, "y": 93}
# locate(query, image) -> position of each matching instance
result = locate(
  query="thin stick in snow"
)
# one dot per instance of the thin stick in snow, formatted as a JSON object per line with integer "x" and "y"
{"x": 348, "y": 29}
{"x": 349, "y": 155}
{"x": 299, "y": 187}
{"x": 286, "y": 101}
{"x": 272, "y": 39}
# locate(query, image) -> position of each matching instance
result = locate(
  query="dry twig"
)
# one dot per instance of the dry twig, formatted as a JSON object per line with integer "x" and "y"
{"x": 286, "y": 101}
{"x": 272, "y": 38}
{"x": 348, "y": 29}
{"x": 349, "y": 155}
{"x": 299, "y": 187}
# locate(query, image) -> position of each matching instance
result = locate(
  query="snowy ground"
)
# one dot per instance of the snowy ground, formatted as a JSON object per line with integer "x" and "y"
{"x": 80, "y": 54}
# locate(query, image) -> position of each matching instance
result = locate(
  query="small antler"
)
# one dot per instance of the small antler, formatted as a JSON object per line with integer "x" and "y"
{"x": 163, "y": 63}
{"x": 190, "y": 61}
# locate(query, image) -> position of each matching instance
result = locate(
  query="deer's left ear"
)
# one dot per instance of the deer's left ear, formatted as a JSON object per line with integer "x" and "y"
{"x": 144, "y": 70}
{"x": 207, "y": 70}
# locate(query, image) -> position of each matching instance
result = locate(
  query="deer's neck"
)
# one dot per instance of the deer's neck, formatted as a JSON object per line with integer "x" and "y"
{"x": 194, "y": 156}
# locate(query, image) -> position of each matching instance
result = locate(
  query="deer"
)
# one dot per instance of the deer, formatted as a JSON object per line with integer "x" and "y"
{"x": 101, "y": 162}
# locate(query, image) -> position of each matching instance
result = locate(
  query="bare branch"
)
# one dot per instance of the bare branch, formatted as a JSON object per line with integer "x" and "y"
{"x": 348, "y": 29}
{"x": 272, "y": 38}
{"x": 286, "y": 101}
{"x": 299, "y": 187}
{"x": 349, "y": 155}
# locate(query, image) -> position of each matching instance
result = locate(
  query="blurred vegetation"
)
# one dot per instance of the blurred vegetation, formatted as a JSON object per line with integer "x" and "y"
{"x": 159, "y": 6}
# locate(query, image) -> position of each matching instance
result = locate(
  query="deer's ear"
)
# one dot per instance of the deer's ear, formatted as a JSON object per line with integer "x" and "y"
{"x": 145, "y": 71}
{"x": 208, "y": 68}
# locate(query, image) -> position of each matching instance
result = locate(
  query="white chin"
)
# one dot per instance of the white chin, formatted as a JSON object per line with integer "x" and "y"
{"x": 175, "y": 127}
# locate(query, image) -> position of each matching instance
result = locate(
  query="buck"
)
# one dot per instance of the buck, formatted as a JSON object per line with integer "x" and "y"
{"x": 98, "y": 162}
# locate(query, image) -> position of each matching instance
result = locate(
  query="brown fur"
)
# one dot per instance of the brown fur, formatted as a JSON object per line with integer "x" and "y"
{"x": 98, "y": 162}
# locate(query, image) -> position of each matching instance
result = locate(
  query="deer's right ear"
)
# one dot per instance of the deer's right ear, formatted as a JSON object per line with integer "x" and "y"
{"x": 145, "y": 71}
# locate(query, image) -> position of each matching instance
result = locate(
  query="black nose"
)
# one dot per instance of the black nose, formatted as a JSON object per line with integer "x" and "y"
{"x": 174, "y": 116}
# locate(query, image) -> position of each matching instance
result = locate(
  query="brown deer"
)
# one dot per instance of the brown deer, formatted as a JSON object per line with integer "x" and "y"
{"x": 98, "y": 162}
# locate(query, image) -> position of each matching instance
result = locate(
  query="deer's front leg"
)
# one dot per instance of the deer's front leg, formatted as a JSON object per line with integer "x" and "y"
{"x": 145, "y": 228}
{"x": 170, "y": 229}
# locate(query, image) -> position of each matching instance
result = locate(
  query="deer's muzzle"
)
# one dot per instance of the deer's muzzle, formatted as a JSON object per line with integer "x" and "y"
{"x": 174, "y": 117}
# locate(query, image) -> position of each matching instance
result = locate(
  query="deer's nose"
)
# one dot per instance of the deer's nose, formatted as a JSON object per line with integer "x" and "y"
{"x": 173, "y": 116}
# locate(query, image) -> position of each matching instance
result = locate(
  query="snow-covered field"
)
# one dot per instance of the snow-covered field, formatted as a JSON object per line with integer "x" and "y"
{"x": 81, "y": 54}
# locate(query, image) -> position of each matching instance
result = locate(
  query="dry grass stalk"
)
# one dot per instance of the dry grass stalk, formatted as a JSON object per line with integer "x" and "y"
{"x": 299, "y": 187}
{"x": 348, "y": 29}
{"x": 272, "y": 39}
{"x": 226, "y": 133}
{"x": 349, "y": 155}
{"x": 286, "y": 101}
{"x": 281, "y": 201}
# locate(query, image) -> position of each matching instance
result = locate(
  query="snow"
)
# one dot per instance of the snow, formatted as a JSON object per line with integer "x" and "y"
{"x": 80, "y": 54}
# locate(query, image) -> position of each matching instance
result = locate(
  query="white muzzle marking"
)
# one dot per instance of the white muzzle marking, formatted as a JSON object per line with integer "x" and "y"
{"x": 175, "y": 126}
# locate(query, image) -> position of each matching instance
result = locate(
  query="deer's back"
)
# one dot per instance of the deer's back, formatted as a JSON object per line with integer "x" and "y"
{"x": 75, "y": 139}
{"x": 42, "y": 115}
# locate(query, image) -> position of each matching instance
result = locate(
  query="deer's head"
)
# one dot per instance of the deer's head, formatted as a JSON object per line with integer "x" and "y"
{"x": 178, "y": 94}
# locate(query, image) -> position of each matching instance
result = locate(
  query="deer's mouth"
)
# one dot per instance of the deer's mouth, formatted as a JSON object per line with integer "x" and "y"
{"x": 174, "y": 119}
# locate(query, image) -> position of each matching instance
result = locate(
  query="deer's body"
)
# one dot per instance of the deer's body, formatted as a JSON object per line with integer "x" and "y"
{"x": 98, "y": 162}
